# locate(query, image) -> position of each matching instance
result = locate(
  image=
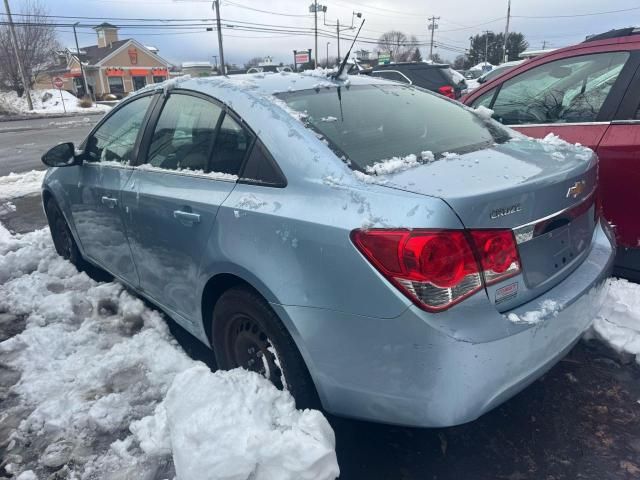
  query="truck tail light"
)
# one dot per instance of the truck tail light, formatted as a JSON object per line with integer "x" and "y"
{"x": 438, "y": 268}
{"x": 447, "y": 91}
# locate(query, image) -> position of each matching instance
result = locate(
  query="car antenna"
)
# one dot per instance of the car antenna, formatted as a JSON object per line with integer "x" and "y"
{"x": 337, "y": 75}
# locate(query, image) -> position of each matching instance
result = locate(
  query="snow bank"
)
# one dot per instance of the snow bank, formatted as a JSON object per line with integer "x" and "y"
{"x": 393, "y": 165}
{"x": 21, "y": 184}
{"x": 618, "y": 323}
{"x": 94, "y": 366}
{"x": 46, "y": 102}
{"x": 257, "y": 431}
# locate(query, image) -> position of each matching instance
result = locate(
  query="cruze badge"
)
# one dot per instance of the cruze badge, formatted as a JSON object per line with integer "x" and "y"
{"x": 576, "y": 189}
{"x": 503, "y": 212}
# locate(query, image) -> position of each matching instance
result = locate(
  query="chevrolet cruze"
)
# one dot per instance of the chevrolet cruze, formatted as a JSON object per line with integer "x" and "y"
{"x": 374, "y": 248}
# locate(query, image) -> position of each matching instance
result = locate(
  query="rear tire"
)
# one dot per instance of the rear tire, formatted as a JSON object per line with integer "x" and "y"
{"x": 247, "y": 333}
{"x": 61, "y": 234}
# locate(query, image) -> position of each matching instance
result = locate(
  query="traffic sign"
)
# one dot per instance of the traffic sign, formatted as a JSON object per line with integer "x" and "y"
{"x": 58, "y": 82}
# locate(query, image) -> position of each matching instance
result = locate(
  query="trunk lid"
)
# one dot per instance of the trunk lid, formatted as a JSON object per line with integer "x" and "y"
{"x": 542, "y": 189}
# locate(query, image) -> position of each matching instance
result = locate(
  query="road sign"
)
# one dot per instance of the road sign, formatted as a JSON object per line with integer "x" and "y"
{"x": 302, "y": 57}
{"x": 59, "y": 83}
{"x": 384, "y": 57}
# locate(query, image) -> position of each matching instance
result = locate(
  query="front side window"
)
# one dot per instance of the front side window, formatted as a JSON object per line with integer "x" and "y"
{"x": 184, "y": 134}
{"x": 563, "y": 91}
{"x": 115, "y": 139}
{"x": 366, "y": 124}
{"x": 116, "y": 85}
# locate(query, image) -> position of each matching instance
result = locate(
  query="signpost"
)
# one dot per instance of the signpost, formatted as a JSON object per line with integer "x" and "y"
{"x": 59, "y": 83}
{"x": 384, "y": 58}
{"x": 300, "y": 57}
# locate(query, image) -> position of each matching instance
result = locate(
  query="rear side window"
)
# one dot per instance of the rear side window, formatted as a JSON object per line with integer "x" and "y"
{"x": 232, "y": 144}
{"x": 184, "y": 134}
{"x": 567, "y": 90}
{"x": 366, "y": 124}
{"x": 262, "y": 169}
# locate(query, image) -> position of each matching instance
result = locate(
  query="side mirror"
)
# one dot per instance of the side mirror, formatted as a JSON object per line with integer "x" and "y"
{"x": 62, "y": 155}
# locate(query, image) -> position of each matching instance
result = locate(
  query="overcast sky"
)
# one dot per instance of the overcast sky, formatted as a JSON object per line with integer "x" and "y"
{"x": 409, "y": 16}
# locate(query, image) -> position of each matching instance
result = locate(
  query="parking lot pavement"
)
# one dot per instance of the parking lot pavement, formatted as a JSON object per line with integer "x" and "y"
{"x": 580, "y": 421}
{"x": 22, "y": 142}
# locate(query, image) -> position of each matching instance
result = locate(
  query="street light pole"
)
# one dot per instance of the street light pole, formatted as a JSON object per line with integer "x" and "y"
{"x": 328, "y": 43}
{"x": 315, "y": 23}
{"x": 216, "y": 7}
{"x": 84, "y": 77}
{"x": 14, "y": 41}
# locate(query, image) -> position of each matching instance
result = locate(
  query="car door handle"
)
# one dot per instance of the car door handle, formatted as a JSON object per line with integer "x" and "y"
{"x": 186, "y": 218}
{"x": 109, "y": 201}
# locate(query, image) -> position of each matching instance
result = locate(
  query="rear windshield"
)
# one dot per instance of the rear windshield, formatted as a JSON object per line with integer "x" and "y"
{"x": 367, "y": 124}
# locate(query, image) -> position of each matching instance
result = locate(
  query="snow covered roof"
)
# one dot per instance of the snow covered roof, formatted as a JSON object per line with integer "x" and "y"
{"x": 481, "y": 66}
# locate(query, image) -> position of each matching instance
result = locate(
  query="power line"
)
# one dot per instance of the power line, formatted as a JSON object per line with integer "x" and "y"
{"x": 227, "y": 2}
{"x": 578, "y": 14}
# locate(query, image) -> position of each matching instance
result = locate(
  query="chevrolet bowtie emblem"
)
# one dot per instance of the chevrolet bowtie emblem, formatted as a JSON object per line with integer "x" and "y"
{"x": 576, "y": 189}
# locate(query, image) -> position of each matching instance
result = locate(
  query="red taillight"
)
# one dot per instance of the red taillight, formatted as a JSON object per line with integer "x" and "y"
{"x": 447, "y": 91}
{"x": 498, "y": 254}
{"x": 437, "y": 268}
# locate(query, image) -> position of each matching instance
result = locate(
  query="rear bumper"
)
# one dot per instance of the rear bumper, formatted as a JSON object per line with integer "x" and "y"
{"x": 409, "y": 371}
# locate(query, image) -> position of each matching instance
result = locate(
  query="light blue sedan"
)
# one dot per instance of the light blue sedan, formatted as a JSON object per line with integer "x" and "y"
{"x": 374, "y": 248}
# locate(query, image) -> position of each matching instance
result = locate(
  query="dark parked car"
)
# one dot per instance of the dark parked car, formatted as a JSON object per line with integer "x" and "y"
{"x": 439, "y": 78}
{"x": 587, "y": 93}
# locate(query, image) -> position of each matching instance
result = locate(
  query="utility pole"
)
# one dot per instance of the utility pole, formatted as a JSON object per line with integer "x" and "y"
{"x": 216, "y": 7}
{"x": 14, "y": 41}
{"x": 432, "y": 26}
{"x": 544, "y": 44}
{"x": 84, "y": 77}
{"x": 338, "y": 32}
{"x": 486, "y": 45}
{"x": 506, "y": 33}
{"x": 337, "y": 25}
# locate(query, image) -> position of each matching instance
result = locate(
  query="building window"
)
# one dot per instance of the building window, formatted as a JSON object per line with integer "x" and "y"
{"x": 116, "y": 85}
{"x": 159, "y": 78}
{"x": 139, "y": 82}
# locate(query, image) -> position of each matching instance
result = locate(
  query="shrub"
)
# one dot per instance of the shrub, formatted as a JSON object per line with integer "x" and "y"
{"x": 85, "y": 102}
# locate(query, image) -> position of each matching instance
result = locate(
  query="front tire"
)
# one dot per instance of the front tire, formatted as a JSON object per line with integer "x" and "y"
{"x": 247, "y": 333}
{"x": 63, "y": 240}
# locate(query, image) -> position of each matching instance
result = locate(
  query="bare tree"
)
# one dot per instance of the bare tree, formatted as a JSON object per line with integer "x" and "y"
{"x": 253, "y": 62}
{"x": 398, "y": 44}
{"x": 37, "y": 43}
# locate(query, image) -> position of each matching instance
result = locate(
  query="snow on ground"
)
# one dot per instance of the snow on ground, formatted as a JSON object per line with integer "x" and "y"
{"x": 19, "y": 184}
{"x": 45, "y": 102}
{"x": 101, "y": 389}
{"x": 619, "y": 321}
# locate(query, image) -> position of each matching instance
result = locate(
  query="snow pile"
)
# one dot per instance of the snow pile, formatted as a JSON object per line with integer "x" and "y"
{"x": 259, "y": 433}
{"x": 547, "y": 308}
{"x": 484, "y": 112}
{"x": 45, "y": 102}
{"x": 393, "y": 165}
{"x": 618, "y": 323}
{"x": 94, "y": 364}
{"x": 187, "y": 171}
{"x": 19, "y": 184}
{"x": 553, "y": 144}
